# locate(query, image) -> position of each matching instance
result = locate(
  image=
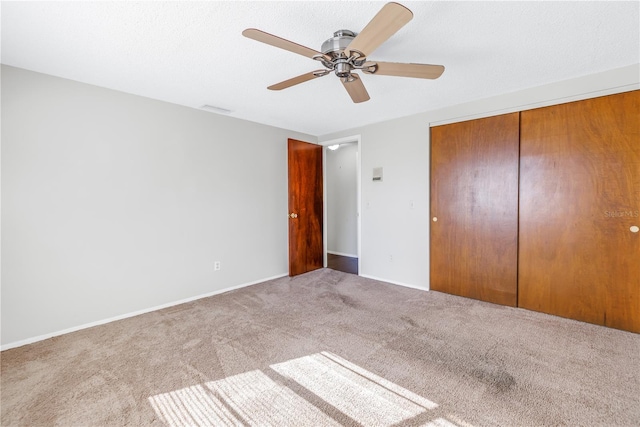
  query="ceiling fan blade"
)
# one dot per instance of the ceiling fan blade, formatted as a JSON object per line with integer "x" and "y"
{"x": 356, "y": 89}
{"x": 299, "y": 79}
{"x": 420, "y": 71}
{"x": 386, "y": 23}
{"x": 276, "y": 41}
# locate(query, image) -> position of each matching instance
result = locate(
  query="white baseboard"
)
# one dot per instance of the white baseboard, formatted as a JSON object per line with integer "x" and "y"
{"x": 394, "y": 283}
{"x": 342, "y": 254}
{"x": 135, "y": 313}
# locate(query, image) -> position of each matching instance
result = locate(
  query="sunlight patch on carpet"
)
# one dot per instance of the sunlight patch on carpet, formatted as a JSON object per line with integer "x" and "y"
{"x": 249, "y": 398}
{"x": 322, "y": 389}
{"x": 360, "y": 394}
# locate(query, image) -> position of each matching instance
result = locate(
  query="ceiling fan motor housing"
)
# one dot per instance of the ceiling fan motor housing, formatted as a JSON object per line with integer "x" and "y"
{"x": 334, "y": 47}
{"x": 338, "y": 43}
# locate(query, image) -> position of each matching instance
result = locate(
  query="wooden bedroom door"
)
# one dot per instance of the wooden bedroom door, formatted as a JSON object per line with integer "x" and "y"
{"x": 579, "y": 203}
{"x": 474, "y": 209}
{"x": 306, "y": 251}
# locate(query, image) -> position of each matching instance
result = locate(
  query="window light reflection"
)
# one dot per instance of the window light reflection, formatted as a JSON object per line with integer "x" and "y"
{"x": 327, "y": 389}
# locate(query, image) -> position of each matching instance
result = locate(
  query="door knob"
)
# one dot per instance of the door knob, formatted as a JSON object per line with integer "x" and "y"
{"x": 293, "y": 215}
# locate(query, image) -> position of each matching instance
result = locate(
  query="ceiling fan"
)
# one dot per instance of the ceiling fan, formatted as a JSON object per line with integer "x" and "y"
{"x": 347, "y": 51}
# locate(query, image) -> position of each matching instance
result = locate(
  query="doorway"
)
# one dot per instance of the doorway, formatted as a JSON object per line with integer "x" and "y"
{"x": 342, "y": 204}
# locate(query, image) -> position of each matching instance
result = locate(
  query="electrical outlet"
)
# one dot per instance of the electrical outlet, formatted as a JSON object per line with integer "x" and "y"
{"x": 216, "y": 265}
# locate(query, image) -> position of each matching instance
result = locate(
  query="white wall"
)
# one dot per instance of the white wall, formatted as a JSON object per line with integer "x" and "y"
{"x": 114, "y": 203}
{"x": 395, "y": 212}
{"x": 342, "y": 207}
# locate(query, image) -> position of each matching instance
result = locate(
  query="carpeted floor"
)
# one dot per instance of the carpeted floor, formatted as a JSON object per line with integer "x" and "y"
{"x": 328, "y": 348}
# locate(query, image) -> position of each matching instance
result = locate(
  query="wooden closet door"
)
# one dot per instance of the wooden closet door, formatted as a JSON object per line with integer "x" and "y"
{"x": 474, "y": 197}
{"x": 579, "y": 198}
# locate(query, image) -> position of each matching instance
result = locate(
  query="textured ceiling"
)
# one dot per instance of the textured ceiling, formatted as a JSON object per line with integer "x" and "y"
{"x": 193, "y": 53}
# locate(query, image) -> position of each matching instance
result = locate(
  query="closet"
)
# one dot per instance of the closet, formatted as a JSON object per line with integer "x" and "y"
{"x": 474, "y": 209}
{"x": 548, "y": 223}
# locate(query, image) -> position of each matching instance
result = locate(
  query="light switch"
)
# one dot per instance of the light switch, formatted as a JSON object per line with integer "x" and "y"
{"x": 377, "y": 174}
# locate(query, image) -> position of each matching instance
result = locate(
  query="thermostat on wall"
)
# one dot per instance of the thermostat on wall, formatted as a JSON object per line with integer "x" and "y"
{"x": 377, "y": 174}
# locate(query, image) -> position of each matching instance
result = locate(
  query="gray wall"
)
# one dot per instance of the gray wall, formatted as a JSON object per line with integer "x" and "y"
{"x": 114, "y": 203}
{"x": 341, "y": 193}
{"x": 395, "y": 212}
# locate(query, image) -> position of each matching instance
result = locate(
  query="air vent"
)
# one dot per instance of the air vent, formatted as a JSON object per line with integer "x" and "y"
{"x": 213, "y": 109}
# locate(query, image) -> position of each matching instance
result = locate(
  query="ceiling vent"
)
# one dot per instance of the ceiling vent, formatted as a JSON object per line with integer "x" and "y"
{"x": 213, "y": 109}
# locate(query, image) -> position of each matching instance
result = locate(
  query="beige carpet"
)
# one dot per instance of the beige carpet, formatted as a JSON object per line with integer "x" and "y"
{"x": 328, "y": 348}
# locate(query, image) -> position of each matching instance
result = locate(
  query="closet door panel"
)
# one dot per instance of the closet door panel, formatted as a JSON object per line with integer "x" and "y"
{"x": 474, "y": 197}
{"x": 579, "y": 199}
